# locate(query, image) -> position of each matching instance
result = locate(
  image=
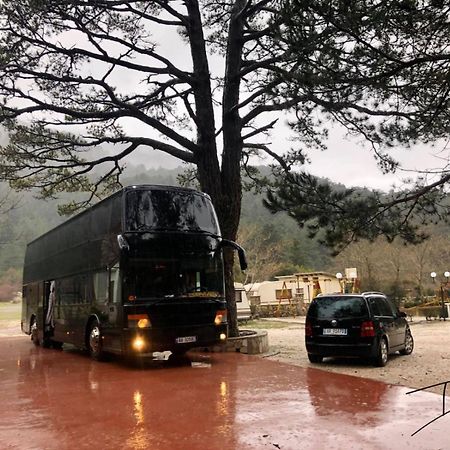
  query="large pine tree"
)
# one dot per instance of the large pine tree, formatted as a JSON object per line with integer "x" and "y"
{"x": 78, "y": 75}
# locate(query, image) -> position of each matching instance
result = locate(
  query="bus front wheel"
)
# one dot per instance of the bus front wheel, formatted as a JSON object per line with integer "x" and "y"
{"x": 95, "y": 342}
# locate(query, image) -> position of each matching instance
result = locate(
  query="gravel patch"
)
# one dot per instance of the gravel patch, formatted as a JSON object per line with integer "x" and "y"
{"x": 428, "y": 364}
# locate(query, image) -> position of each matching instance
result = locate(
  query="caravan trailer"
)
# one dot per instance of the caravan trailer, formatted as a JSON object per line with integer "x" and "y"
{"x": 242, "y": 303}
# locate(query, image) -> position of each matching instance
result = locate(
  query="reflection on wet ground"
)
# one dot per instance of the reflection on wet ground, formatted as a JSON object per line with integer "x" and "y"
{"x": 62, "y": 400}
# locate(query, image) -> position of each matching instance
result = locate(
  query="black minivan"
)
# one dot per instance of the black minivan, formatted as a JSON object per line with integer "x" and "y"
{"x": 367, "y": 325}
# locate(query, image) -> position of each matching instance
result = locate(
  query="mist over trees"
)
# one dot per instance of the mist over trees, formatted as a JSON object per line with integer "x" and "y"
{"x": 75, "y": 76}
{"x": 274, "y": 244}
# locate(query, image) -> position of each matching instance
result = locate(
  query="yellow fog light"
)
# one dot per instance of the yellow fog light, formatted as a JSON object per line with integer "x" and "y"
{"x": 222, "y": 336}
{"x": 143, "y": 323}
{"x": 221, "y": 316}
{"x": 138, "y": 343}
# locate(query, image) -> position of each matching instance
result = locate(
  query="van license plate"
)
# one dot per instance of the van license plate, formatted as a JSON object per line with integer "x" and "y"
{"x": 335, "y": 332}
{"x": 186, "y": 339}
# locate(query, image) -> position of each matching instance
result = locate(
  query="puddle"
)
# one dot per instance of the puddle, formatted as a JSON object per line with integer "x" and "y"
{"x": 200, "y": 365}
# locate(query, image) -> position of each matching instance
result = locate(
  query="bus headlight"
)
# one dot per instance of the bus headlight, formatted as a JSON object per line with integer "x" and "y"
{"x": 222, "y": 336}
{"x": 221, "y": 317}
{"x": 138, "y": 344}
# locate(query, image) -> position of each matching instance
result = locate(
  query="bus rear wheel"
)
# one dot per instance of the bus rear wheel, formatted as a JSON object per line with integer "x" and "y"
{"x": 95, "y": 342}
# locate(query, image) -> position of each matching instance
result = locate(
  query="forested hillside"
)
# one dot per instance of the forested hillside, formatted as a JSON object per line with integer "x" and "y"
{"x": 275, "y": 245}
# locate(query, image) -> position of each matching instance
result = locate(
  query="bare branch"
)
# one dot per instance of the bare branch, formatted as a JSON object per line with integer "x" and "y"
{"x": 259, "y": 130}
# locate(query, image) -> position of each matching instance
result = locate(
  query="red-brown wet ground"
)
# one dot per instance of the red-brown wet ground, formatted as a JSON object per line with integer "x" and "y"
{"x": 62, "y": 400}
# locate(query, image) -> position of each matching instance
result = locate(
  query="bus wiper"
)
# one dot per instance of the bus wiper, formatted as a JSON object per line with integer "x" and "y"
{"x": 159, "y": 301}
{"x": 147, "y": 228}
{"x": 216, "y": 299}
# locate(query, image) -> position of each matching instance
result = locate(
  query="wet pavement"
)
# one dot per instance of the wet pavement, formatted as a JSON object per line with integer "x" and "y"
{"x": 62, "y": 400}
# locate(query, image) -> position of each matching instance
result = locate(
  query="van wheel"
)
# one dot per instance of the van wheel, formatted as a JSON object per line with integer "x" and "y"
{"x": 95, "y": 342}
{"x": 409, "y": 344}
{"x": 315, "y": 358}
{"x": 382, "y": 354}
{"x": 34, "y": 332}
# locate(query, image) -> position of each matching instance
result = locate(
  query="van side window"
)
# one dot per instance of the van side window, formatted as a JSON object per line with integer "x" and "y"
{"x": 374, "y": 307}
{"x": 392, "y": 307}
{"x": 385, "y": 308}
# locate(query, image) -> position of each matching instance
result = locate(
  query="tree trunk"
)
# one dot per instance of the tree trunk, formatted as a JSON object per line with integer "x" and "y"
{"x": 223, "y": 184}
{"x": 228, "y": 208}
{"x": 230, "y": 205}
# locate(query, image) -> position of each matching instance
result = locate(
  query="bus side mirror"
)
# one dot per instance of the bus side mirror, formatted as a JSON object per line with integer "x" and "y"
{"x": 242, "y": 259}
{"x": 123, "y": 244}
{"x": 241, "y": 252}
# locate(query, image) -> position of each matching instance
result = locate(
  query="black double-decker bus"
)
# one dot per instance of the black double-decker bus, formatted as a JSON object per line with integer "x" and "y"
{"x": 139, "y": 272}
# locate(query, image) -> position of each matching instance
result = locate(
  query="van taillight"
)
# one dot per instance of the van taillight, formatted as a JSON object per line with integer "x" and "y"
{"x": 308, "y": 329}
{"x": 367, "y": 329}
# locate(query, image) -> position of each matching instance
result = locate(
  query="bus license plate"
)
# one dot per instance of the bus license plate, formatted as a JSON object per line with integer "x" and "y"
{"x": 185, "y": 339}
{"x": 335, "y": 332}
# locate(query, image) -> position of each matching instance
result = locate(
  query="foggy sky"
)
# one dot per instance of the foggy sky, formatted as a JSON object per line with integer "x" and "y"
{"x": 347, "y": 161}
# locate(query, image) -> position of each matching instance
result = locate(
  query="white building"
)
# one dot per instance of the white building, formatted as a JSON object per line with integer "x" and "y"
{"x": 300, "y": 287}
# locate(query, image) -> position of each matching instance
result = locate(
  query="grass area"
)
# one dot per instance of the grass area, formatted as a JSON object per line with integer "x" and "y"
{"x": 10, "y": 311}
{"x": 264, "y": 324}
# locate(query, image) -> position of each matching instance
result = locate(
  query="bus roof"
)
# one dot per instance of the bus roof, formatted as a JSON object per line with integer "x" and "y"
{"x": 118, "y": 193}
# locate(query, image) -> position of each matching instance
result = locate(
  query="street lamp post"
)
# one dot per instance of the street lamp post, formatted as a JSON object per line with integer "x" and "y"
{"x": 443, "y": 284}
{"x": 349, "y": 281}
{"x": 339, "y": 277}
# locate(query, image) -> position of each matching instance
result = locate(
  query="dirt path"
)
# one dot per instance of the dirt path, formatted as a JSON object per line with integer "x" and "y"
{"x": 10, "y": 319}
{"x": 10, "y": 328}
{"x": 427, "y": 365}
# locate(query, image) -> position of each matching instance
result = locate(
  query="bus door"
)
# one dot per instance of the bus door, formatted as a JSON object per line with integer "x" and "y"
{"x": 34, "y": 301}
{"x": 49, "y": 301}
{"x": 115, "y": 310}
{"x": 66, "y": 319}
{"x": 107, "y": 299}
{"x": 114, "y": 297}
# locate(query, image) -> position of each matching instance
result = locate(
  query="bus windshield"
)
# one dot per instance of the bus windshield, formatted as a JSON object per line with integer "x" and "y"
{"x": 166, "y": 278}
{"x": 170, "y": 210}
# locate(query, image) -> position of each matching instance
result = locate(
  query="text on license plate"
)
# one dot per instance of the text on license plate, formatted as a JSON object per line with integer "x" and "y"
{"x": 335, "y": 331}
{"x": 185, "y": 339}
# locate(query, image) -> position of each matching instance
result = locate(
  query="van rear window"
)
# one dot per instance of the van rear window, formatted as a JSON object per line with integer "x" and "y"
{"x": 337, "y": 307}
